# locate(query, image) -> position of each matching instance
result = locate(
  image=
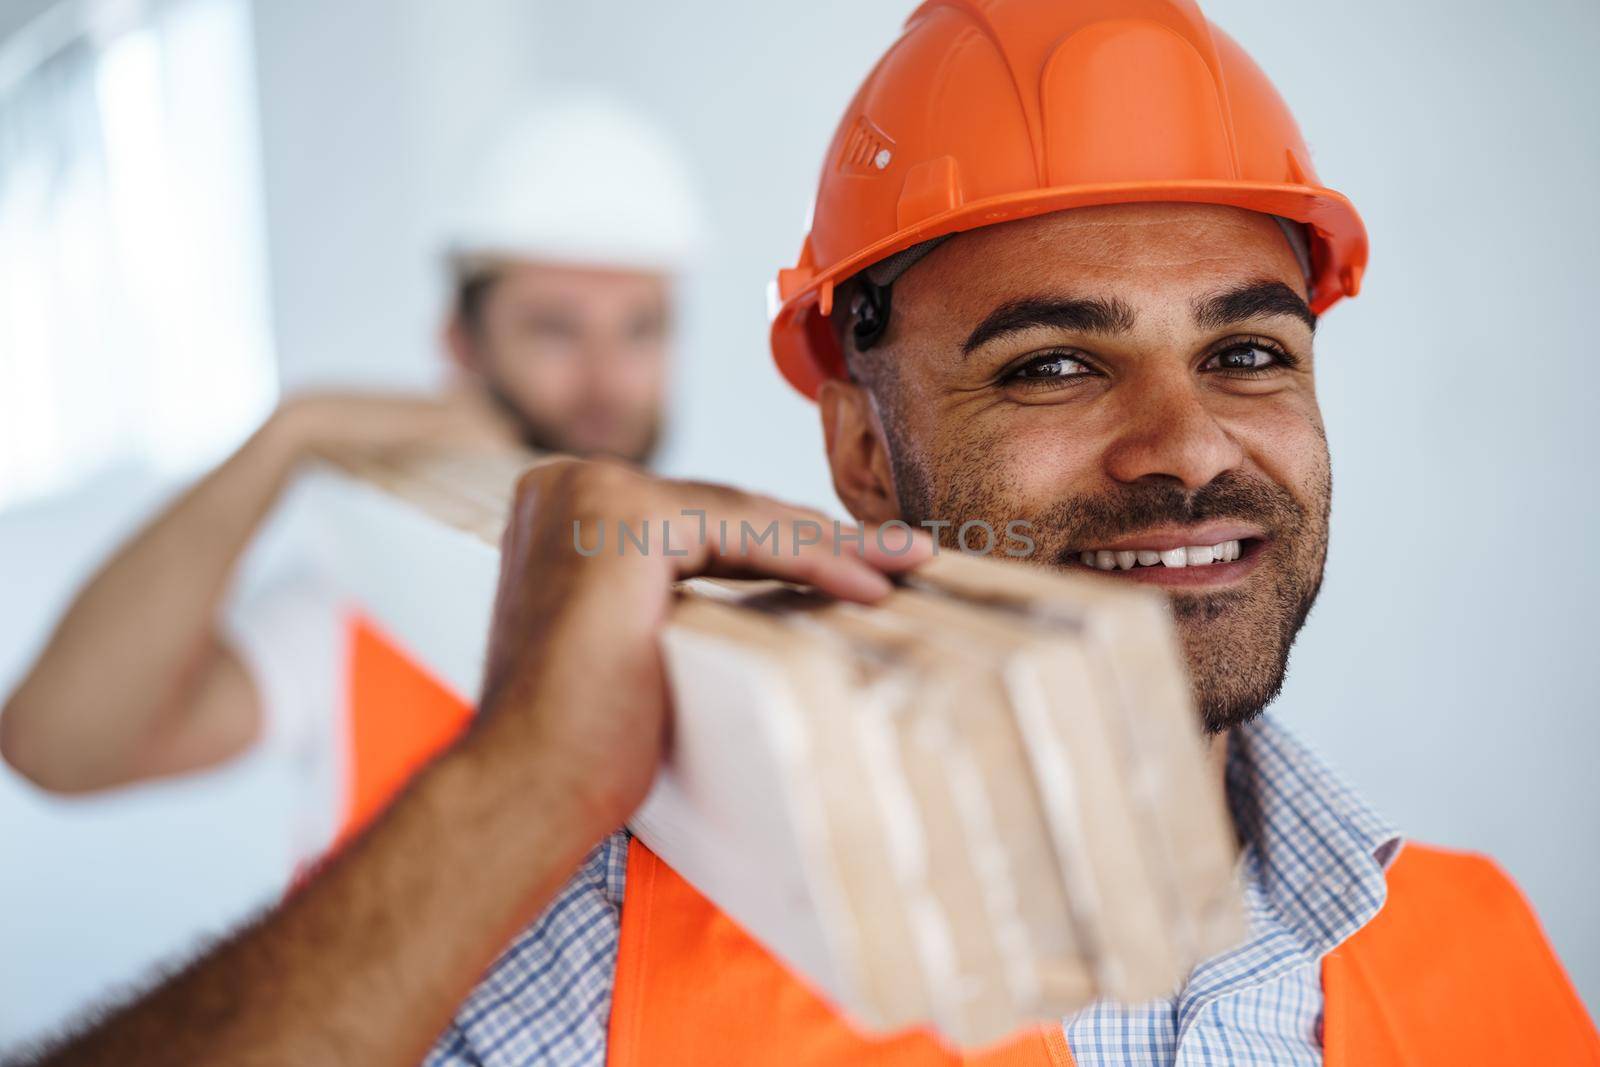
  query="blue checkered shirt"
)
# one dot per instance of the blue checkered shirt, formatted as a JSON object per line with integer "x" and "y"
{"x": 1313, "y": 863}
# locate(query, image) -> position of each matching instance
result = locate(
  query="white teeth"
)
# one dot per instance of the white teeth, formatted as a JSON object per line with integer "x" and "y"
{"x": 1106, "y": 559}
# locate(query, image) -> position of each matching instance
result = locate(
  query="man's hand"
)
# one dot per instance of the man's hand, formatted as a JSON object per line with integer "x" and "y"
{"x": 574, "y": 667}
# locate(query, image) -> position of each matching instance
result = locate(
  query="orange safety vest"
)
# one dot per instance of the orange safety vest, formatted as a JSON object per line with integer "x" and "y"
{"x": 1454, "y": 969}
{"x": 397, "y": 717}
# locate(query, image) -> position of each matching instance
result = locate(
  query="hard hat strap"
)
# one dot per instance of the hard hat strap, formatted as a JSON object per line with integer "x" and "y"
{"x": 1300, "y": 243}
{"x": 886, "y": 271}
{"x": 869, "y": 305}
{"x": 869, "y": 312}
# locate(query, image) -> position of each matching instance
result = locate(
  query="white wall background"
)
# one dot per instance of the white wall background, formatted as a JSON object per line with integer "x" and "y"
{"x": 1445, "y": 670}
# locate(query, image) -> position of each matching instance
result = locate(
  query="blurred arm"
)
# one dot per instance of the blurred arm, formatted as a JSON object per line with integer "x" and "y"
{"x": 135, "y": 682}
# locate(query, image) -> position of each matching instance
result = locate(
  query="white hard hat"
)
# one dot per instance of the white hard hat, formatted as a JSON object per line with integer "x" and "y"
{"x": 580, "y": 178}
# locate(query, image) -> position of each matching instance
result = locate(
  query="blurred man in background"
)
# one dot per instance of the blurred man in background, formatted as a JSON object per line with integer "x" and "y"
{"x": 562, "y": 260}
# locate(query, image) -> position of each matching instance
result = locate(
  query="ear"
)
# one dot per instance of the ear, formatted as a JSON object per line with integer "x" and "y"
{"x": 857, "y": 452}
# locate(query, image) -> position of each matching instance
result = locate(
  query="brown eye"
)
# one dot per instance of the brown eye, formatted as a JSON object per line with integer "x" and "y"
{"x": 1247, "y": 359}
{"x": 1049, "y": 368}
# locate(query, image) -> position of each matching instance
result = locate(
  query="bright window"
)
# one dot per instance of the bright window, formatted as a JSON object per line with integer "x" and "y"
{"x": 133, "y": 305}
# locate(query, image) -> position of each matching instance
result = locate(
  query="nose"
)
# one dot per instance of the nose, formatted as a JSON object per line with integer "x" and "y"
{"x": 1167, "y": 432}
{"x": 605, "y": 367}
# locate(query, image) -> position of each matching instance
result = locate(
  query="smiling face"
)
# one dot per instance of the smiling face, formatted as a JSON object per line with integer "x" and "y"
{"x": 1136, "y": 383}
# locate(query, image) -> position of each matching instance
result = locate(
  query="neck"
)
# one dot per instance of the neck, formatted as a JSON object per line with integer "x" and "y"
{"x": 1217, "y": 757}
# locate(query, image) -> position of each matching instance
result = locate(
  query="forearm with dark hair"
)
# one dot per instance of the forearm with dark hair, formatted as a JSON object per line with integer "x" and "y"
{"x": 368, "y": 961}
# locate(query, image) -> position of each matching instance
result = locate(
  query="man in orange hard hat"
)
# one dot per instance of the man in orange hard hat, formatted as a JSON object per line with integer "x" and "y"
{"x": 1066, "y": 266}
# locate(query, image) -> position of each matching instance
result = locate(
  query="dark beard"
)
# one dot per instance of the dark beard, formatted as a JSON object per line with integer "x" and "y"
{"x": 539, "y": 437}
{"x": 1232, "y": 682}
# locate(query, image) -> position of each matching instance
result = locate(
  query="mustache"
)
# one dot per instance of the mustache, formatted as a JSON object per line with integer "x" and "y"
{"x": 1094, "y": 519}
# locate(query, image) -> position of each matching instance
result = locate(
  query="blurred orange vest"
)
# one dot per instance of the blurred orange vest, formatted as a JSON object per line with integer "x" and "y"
{"x": 1454, "y": 969}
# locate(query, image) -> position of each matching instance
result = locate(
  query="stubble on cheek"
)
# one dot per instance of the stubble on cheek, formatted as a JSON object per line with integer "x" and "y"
{"x": 956, "y": 481}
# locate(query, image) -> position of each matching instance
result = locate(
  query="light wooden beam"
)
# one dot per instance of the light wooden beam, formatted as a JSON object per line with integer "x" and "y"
{"x": 980, "y": 804}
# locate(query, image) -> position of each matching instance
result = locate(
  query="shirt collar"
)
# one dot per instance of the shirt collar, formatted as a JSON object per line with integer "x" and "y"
{"x": 1315, "y": 850}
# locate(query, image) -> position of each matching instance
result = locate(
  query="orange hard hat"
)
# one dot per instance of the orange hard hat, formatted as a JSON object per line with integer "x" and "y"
{"x": 984, "y": 112}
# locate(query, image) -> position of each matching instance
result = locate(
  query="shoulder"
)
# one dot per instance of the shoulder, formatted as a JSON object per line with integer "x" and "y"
{"x": 1460, "y": 898}
{"x": 1466, "y": 883}
{"x": 1446, "y": 903}
{"x": 289, "y": 635}
{"x": 1458, "y": 944}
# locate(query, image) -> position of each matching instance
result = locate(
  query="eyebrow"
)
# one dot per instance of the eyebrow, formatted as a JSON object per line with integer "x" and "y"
{"x": 1252, "y": 300}
{"x": 1081, "y": 316}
